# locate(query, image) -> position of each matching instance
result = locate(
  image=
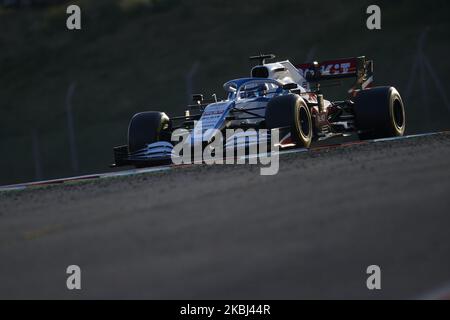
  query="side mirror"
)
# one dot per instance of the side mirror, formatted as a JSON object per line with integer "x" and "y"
{"x": 290, "y": 86}
{"x": 197, "y": 98}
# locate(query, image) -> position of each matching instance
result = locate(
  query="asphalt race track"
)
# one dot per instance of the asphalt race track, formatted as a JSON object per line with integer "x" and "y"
{"x": 227, "y": 232}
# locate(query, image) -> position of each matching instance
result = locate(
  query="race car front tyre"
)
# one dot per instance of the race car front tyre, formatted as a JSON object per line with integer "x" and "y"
{"x": 291, "y": 112}
{"x": 145, "y": 128}
{"x": 379, "y": 113}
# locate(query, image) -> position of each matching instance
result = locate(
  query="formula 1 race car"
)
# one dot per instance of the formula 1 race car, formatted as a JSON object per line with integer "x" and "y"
{"x": 277, "y": 95}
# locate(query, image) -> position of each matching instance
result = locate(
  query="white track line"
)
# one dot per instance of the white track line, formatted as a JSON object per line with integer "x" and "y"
{"x": 131, "y": 172}
{"x": 135, "y": 171}
{"x": 439, "y": 293}
{"x": 407, "y": 137}
{"x": 84, "y": 178}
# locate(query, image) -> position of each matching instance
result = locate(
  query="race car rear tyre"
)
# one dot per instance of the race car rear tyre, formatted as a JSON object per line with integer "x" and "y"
{"x": 145, "y": 128}
{"x": 292, "y": 113}
{"x": 379, "y": 113}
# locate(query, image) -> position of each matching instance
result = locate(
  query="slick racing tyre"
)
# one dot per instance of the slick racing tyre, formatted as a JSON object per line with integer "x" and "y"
{"x": 145, "y": 128}
{"x": 379, "y": 113}
{"x": 292, "y": 113}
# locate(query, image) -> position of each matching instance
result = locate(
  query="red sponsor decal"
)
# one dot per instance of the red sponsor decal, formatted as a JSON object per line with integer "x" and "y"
{"x": 331, "y": 67}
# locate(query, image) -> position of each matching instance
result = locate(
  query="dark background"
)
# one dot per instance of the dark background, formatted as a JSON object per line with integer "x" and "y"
{"x": 135, "y": 55}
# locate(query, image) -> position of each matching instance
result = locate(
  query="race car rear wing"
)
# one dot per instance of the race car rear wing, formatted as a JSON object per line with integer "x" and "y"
{"x": 357, "y": 67}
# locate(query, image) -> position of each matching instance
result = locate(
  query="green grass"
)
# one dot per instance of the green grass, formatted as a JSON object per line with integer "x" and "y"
{"x": 133, "y": 55}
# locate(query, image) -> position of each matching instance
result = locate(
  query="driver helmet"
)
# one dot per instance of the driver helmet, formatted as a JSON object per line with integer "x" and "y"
{"x": 256, "y": 90}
